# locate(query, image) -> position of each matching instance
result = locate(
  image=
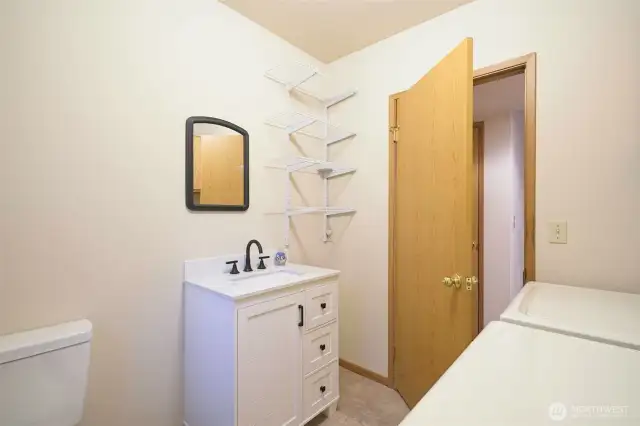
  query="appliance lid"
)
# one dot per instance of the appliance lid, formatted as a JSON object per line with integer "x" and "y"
{"x": 26, "y": 344}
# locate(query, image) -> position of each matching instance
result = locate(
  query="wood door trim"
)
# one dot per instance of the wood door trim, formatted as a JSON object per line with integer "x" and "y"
{"x": 527, "y": 65}
{"x": 524, "y": 64}
{"x": 530, "y": 169}
{"x": 393, "y": 101}
{"x": 361, "y": 371}
{"x": 480, "y": 126}
{"x": 501, "y": 70}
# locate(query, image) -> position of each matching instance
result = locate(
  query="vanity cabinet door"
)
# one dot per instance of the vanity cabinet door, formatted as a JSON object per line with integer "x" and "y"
{"x": 270, "y": 362}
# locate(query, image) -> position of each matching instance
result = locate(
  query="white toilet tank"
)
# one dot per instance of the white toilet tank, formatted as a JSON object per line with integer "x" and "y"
{"x": 43, "y": 375}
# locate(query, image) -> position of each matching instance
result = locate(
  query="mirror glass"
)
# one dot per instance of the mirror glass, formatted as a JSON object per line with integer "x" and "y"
{"x": 217, "y": 175}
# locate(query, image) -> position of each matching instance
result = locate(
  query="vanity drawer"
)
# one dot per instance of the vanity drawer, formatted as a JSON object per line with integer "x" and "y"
{"x": 320, "y": 389}
{"x": 320, "y": 347}
{"x": 321, "y": 305}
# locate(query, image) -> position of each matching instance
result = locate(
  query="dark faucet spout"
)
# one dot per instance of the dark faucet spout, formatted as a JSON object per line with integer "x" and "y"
{"x": 247, "y": 259}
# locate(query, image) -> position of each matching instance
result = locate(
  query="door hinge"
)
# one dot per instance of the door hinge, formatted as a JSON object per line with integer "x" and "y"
{"x": 393, "y": 356}
{"x": 396, "y": 133}
{"x": 524, "y": 276}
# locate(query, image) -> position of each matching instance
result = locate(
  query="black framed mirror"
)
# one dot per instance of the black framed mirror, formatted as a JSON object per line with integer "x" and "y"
{"x": 217, "y": 165}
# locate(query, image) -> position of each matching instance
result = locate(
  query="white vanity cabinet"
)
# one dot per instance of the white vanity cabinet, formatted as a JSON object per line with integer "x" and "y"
{"x": 261, "y": 354}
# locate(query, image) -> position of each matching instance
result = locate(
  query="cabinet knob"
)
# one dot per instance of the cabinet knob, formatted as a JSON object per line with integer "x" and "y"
{"x": 323, "y": 305}
{"x": 322, "y": 347}
{"x": 322, "y": 389}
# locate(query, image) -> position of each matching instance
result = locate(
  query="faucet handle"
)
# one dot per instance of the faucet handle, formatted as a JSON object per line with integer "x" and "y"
{"x": 262, "y": 265}
{"x": 234, "y": 269}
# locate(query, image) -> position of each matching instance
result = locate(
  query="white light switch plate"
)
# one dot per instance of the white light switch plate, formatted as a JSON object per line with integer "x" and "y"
{"x": 558, "y": 232}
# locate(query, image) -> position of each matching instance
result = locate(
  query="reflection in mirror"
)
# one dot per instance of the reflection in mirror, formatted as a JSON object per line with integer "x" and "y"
{"x": 217, "y": 165}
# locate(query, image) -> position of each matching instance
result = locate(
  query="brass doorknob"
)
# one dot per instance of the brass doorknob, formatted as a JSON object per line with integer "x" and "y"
{"x": 457, "y": 281}
{"x": 471, "y": 281}
{"x": 447, "y": 281}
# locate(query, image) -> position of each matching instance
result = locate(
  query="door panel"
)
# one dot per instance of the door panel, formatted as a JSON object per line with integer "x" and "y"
{"x": 434, "y": 223}
{"x": 270, "y": 363}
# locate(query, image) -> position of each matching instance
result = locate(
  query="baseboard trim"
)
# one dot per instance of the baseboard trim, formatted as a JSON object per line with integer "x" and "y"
{"x": 365, "y": 373}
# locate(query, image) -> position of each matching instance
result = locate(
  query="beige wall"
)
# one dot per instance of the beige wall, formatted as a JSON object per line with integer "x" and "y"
{"x": 502, "y": 258}
{"x": 588, "y": 150}
{"x": 518, "y": 234}
{"x": 93, "y": 105}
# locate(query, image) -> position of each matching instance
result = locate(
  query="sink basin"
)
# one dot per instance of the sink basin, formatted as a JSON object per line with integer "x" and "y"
{"x": 266, "y": 274}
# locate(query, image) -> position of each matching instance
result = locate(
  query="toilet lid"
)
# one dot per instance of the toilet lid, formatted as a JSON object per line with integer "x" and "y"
{"x": 30, "y": 343}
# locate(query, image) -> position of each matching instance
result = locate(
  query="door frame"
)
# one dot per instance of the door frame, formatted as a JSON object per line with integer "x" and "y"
{"x": 522, "y": 65}
{"x": 479, "y": 153}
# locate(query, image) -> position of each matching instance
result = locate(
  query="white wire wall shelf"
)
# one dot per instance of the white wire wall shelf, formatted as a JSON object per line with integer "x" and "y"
{"x": 294, "y": 122}
{"x": 308, "y": 81}
{"x": 327, "y": 211}
{"x": 325, "y": 169}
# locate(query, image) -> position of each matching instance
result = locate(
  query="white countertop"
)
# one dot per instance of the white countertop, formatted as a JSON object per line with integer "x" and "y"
{"x": 206, "y": 273}
{"x": 605, "y": 316}
{"x": 511, "y": 375}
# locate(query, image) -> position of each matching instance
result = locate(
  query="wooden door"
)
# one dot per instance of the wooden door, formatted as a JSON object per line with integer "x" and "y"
{"x": 270, "y": 363}
{"x": 434, "y": 223}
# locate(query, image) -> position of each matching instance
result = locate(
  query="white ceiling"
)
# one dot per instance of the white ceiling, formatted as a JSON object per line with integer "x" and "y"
{"x": 330, "y": 29}
{"x": 498, "y": 97}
